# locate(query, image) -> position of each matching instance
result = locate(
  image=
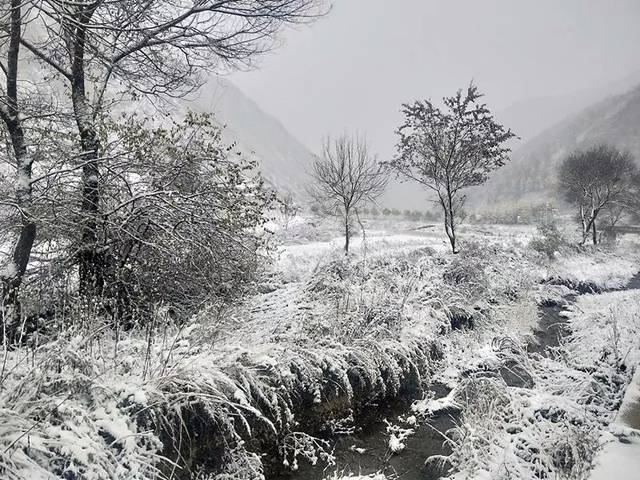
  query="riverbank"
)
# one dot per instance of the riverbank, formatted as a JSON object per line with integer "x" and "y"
{"x": 620, "y": 456}
{"x": 558, "y": 423}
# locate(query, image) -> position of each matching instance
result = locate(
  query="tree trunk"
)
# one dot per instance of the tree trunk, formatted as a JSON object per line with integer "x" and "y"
{"x": 22, "y": 251}
{"x": 90, "y": 265}
{"x": 452, "y": 234}
{"x": 347, "y": 233}
{"x": 11, "y": 286}
{"x": 451, "y": 227}
{"x": 591, "y": 227}
{"x": 583, "y": 222}
{"x": 364, "y": 235}
{"x": 452, "y": 241}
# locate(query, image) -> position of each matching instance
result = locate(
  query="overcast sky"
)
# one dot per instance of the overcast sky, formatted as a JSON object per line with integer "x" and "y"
{"x": 353, "y": 69}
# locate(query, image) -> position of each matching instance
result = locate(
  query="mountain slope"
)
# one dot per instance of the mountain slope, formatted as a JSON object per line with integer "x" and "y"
{"x": 283, "y": 160}
{"x": 531, "y": 174}
{"x": 530, "y": 117}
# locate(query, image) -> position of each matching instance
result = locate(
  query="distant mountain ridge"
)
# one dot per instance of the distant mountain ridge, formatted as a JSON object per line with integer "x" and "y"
{"x": 531, "y": 174}
{"x": 530, "y": 117}
{"x": 283, "y": 160}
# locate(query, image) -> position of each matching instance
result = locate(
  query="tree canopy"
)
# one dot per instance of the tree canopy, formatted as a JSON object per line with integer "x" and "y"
{"x": 596, "y": 179}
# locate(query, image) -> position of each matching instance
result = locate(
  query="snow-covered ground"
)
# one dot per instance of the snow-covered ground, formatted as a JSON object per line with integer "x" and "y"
{"x": 608, "y": 330}
{"x": 92, "y": 403}
{"x": 620, "y": 457}
{"x": 599, "y": 268}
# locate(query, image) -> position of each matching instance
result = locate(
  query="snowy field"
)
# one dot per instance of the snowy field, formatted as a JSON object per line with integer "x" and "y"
{"x": 323, "y": 335}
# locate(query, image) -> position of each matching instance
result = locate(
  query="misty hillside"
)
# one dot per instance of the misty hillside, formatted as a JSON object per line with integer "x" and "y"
{"x": 531, "y": 174}
{"x": 530, "y": 117}
{"x": 282, "y": 158}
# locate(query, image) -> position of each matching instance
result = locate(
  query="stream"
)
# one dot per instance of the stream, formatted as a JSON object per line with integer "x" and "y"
{"x": 366, "y": 450}
{"x": 373, "y": 439}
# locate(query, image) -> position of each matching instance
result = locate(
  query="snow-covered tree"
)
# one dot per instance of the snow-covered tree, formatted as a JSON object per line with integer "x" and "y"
{"x": 595, "y": 180}
{"x": 181, "y": 217}
{"x": 449, "y": 150}
{"x": 21, "y": 159}
{"x": 289, "y": 209}
{"x": 104, "y": 51}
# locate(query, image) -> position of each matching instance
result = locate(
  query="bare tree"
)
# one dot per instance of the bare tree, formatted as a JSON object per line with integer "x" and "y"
{"x": 594, "y": 180}
{"x": 108, "y": 50}
{"x": 448, "y": 151}
{"x": 288, "y": 209}
{"x": 345, "y": 178}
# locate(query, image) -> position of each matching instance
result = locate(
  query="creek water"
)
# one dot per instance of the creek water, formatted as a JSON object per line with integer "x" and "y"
{"x": 551, "y": 328}
{"x": 371, "y": 439}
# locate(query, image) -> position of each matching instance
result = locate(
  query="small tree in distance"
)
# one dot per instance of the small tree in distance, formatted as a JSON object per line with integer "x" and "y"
{"x": 595, "y": 180}
{"x": 288, "y": 208}
{"x": 448, "y": 151}
{"x": 346, "y": 178}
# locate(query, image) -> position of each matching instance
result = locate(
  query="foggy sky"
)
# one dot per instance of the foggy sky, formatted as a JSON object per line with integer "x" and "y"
{"x": 353, "y": 69}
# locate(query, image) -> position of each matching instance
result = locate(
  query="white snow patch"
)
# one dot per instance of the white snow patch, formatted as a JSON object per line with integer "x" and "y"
{"x": 359, "y": 450}
{"x": 430, "y": 407}
{"x": 397, "y": 437}
{"x": 373, "y": 476}
{"x": 9, "y": 270}
{"x": 620, "y": 457}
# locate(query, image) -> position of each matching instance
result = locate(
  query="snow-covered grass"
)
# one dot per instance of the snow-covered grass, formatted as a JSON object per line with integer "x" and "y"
{"x": 604, "y": 270}
{"x": 82, "y": 406}
{"x": 606, "y": 329}
{"x": 554, "y": 428}
{"x": 327, "y": 334}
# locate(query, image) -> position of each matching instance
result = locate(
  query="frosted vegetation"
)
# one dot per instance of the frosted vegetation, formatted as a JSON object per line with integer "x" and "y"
{"x": 166, "y": 314}
{"x": 322, "y": 336}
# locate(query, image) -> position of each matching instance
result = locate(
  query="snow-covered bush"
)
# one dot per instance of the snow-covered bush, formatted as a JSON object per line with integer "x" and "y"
{"x": 64, "y": 413}
{"x": 521, "y": 433}
{"x": 178, "y": 224}
{"x": 467, "y": 271}
{"x": 549, "y": 240}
